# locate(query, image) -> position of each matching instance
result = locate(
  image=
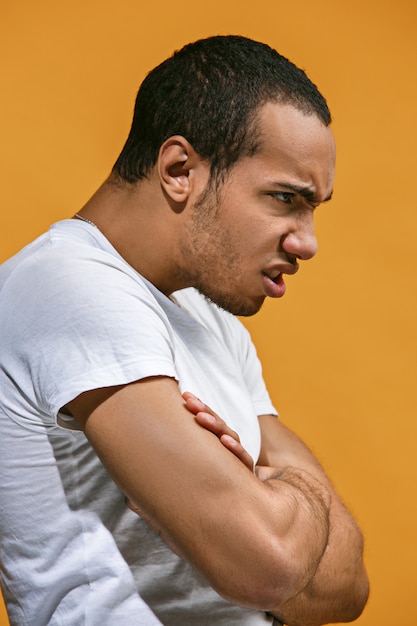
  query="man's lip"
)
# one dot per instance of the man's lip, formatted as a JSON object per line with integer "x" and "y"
{"x": 274, "y": 287}
{"x": 288, "y": 268}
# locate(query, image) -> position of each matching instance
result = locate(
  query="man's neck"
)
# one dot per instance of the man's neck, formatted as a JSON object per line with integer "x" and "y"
{"x": 141, "y": 226}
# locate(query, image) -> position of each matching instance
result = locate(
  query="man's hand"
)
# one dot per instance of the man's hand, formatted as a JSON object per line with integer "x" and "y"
{"x": 209, "y": 420}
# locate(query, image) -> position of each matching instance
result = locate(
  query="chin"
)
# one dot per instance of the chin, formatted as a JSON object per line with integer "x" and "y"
{"x": 248, "y": 311}
{"x": 235, "y": 305}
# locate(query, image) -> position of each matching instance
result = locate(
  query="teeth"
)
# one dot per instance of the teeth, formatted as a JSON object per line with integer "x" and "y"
{"x": 274, "y": 275}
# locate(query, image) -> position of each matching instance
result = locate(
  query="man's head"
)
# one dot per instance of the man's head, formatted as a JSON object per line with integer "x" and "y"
{"x": 232, "y": 147}
{"x": 245, "y": 235}
{"x": 210, "y": 92}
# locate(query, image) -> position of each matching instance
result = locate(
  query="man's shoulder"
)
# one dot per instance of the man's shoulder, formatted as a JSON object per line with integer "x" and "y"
{"x": 67, "y": 251}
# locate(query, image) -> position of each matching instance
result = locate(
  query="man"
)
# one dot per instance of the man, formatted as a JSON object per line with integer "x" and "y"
{"x": 124, "y": 498}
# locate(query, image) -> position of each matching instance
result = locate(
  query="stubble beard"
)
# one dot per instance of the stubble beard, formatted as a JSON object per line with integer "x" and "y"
{"x": 210, "y": 259}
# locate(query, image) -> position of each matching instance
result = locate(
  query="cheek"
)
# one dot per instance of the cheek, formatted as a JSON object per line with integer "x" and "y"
{"x": 261, "y": 236}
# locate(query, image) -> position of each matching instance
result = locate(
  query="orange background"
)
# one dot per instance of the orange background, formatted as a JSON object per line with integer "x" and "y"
{"x": 340, "y": 350}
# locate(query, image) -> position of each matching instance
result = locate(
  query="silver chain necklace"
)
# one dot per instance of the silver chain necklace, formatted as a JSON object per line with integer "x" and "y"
{"x": 85, "y": 219}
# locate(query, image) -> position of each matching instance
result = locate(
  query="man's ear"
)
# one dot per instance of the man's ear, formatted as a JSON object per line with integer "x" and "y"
{"x": 178, "y": 163}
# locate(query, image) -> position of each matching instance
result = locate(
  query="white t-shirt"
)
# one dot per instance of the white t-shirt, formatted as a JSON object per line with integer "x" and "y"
{"x": 75, "y": 316}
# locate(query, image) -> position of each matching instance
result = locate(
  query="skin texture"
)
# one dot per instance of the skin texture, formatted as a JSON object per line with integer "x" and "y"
{"x": 291, "y": 548}
{"x": 178, "y": 233}
{"x": 341, "y": 576}
{"x": 233, "y": 256}
{"x": 282, "y": 447}
{"x": 172, "y": 468}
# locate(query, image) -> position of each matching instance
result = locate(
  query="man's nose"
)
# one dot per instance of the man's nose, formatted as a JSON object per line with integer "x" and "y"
{"x": 301, "y": 242}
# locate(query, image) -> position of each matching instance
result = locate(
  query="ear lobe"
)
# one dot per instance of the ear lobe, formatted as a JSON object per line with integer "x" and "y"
{"x": 176, "y": 162}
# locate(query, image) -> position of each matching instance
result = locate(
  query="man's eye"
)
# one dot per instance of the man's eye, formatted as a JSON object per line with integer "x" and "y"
{"x": 283, "y": 196}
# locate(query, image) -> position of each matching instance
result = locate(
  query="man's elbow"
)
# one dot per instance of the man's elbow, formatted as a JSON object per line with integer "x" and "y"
{"x": 271, "y": 582}
{"x": 259, "y": 594}
{"x": 358, "y": 598}
{"x": 282, "y": 583}
{"x": 345, "y": 606}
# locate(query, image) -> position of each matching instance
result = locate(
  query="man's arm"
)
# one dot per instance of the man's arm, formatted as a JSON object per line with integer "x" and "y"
{"x": 339, "y": 589}
{"x": 259, "y": 543}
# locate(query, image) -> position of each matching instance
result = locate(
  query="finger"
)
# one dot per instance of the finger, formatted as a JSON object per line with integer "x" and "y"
{"x": 238, "y": 450}
{"x": 208, "y": 418}
{"x": 194, "y": 404}
{"x": 213, "y": 423}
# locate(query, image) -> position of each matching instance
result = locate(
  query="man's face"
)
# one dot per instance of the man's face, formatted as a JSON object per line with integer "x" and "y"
{"x": 244, "y": 238}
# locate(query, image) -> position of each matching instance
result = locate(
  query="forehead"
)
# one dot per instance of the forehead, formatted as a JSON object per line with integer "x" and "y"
{"x": 295, "y": 146}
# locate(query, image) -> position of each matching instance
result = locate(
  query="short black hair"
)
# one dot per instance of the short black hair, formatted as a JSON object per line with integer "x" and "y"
{"x": 209, "y": 92}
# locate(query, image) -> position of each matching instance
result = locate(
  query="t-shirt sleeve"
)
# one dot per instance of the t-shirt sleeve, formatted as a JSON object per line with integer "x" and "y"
{"x": 80, "y": 321}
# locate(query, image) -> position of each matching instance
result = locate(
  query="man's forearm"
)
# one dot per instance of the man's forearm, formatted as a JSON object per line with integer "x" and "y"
{"x": 339, "y": 589}
{"x": 186, "y": 483}
{"x": 310, "y": 527}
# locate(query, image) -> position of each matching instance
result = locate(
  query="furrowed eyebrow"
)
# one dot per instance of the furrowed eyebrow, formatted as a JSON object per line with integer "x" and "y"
{"x": 305, "y": 192}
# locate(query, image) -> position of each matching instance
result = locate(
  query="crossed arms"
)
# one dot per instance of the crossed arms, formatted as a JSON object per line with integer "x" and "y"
{"x": 279, "y": 541}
